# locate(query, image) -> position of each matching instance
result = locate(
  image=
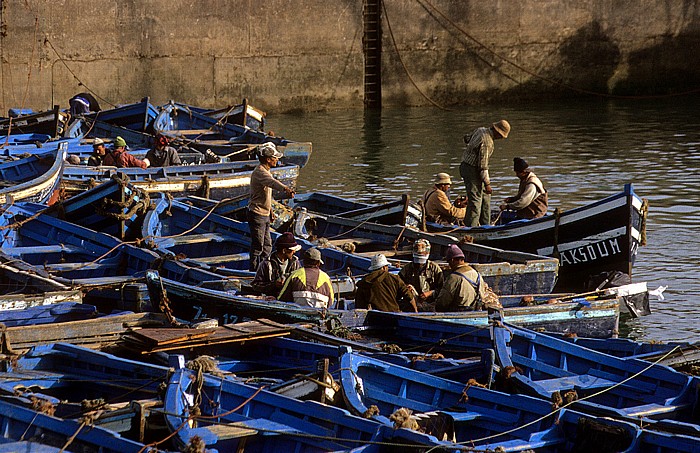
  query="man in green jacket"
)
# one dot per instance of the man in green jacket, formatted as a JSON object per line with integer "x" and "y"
{"x": 382, "y": 290}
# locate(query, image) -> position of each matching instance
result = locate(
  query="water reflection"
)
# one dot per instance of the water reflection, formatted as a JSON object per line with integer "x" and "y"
{"x": 582, "y": 151}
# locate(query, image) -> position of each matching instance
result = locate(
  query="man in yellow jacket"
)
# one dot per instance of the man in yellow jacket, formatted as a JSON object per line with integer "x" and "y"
{"x": 309, "y": 286}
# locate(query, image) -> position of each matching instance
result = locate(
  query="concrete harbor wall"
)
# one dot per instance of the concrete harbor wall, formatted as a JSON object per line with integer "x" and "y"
{"x": 308, "y": 54}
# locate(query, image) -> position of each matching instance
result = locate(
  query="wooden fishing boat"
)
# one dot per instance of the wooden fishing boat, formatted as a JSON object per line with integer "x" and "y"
{"x": 21, "y": 301}
{"x": 46, "y": 314}
{"x": 505, "y": 271}
{"x": 216, "y": 180}
{"x": 234, "y": 415}
{"x": 138, "y": 116}
{"x": 99, "y": 264}
{"x": 599, "y": 237}
{"x": 45, "y": 431}
{"x": 486, "y": 420}
{"x": 587, "y": 317}
{"x": 629, "y": 389}
{"x": 33, "y": 178}
{"x": 242, "y": 114}
{"x": 61, "y": 372}
{"x": 202, "y": 132}
{"x": 50, "y": 122}
{"x": 222, "y": 245}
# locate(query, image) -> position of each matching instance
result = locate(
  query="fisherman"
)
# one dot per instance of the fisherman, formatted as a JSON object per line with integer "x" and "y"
{"x": 464, "y": 288}
{"x": 423, "y": 277}
{"x": 309, "y": 286}
{"x": 531, "y": 200}
{"x": 382, "y": 290}
{"x": 437, "y": 205}
{"x": 474, "y": 169}
{"x": 120, "y": 158}
{"x": 260, "y": 203}
{"x": 162, "y": 154}
{"x": 98, "y": 153}
{"x": 274, "y": 270}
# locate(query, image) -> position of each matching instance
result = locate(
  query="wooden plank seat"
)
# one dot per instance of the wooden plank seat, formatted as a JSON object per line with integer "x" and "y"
{"x": 43, "y": 249}
{"x": 212, "y": 260}
{"x": 195, "y": 239}
{"x": 651, "y": 410}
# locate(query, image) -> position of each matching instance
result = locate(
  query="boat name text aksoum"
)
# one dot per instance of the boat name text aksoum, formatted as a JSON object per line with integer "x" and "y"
{"x": 590, "y": 252}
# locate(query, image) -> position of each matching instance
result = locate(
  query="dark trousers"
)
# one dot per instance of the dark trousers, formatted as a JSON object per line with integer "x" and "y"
{"x": 260, "y": 240}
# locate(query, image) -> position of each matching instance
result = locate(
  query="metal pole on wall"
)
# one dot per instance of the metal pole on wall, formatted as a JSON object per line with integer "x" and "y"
{"x": 372, "y": 49}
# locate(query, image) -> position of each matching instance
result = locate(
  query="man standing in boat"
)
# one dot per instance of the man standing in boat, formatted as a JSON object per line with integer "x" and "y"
{"x": 309, "y": 286}
{"x": 274, "y": 270}
{"x": 423, "y": 277}
{"x": 260, "y": 203}
{"x": 382, "y": 290}
{"x": 531, "y": 200}
{"x": 464, "y": 289}
{"x": 120, "y": 158}
{"x": 162, "y": 154}
{"x": 474, "y": 169}
{"x": 437, "y": 205}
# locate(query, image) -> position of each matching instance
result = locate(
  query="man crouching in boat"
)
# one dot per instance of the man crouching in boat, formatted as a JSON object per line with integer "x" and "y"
{"x": 464, "y": 289}
{"x": 382, "y": 290}
{"x": 437, "y": 205}
{"x": 309, "y": 286}
{"x": 274, "y": 270}
{"x": 531, "y": 200}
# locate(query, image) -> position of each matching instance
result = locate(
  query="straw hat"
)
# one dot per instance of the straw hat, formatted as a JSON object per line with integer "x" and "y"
{"x": 502, "y": 127}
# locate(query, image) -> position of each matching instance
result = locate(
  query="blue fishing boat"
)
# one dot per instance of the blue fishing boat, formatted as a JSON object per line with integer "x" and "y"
{"x": 202, "y": 132}
{"x": 628, "y": 389}
{"x": 100, "y": 264}
{"x": 487, "y": 420}
{"x": 33, "y": 178}
{"x": 46, "y": 314}
{"x": 505, "y": 271}
{"x": 40, "y": 432}
{"x": 599, "y": 237}
{"x": 235, "y": 415}
{"x": 216, "y": 180}
{"x": 138, "y": 116}
{"x": 50, "y": 122}
{"x": 220, "y": 244}
{"x": 61, "y": 373}
{"x": 242, "y": 114}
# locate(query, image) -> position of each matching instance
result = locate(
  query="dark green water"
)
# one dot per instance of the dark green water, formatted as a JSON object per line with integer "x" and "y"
{"x": 583, "y": 151}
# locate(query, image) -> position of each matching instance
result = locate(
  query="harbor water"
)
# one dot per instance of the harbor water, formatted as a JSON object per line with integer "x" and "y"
{"x": 582, "y": 150}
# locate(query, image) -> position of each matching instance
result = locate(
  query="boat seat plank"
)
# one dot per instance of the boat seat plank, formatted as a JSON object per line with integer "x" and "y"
{"x": 42, "y": 249}
{"x": 232, "y": 431}
{"x": 373, "y": 393}
{"x": 527, "y": 362}
{"x": 651, "y": 410}
{"x": 195, "y": 239}
{"x": 577, "y": 382}
{"x": 637, "y": 385}
{"x": 223, "y": 258}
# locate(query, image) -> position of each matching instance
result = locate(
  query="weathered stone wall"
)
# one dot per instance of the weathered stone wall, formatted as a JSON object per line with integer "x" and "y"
{"x": 307, "y": 54}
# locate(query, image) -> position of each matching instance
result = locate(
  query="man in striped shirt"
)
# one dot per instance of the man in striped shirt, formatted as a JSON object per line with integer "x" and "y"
{"x": 474, "y": 169}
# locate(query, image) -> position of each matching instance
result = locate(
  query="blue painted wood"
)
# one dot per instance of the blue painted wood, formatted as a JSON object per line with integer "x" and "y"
{"x": 22, "y": 423}
{"x": 33, "y": 178}
{"x": 58, "y": 312}
{"x": 629, "y": 389}
{"x": 267, "y": 421}
{"x": 476, "y": 413}
{"x": 138, "y": 116}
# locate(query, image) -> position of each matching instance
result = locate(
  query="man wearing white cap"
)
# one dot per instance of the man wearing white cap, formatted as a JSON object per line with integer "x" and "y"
{"x": 437, "y": 205}
{"x": 474, "y": 169}
{"x": 260, "y": 203}
{"x": 382, "y": 290}
{"x": 98, "y": 153}
{"x": 423, "y": 277}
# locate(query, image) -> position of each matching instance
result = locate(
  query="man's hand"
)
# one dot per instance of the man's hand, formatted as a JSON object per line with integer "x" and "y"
{"x": 487, "y": 189}
{"x": 290, "y": 192}
{"x": 425, "y": 295}
{"x": 503, "y": 207}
